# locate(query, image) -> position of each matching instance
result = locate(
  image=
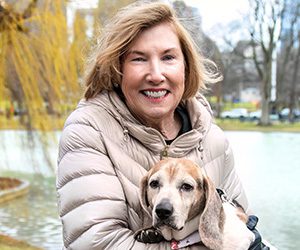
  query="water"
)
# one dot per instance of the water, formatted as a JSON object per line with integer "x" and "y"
{"x": 21, "y": 151}
{"x": 34, "y": 217}
{"x": 268, "y": 164}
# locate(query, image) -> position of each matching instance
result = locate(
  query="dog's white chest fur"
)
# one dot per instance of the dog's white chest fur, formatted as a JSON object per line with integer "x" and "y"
{"x": 236, "y": 234}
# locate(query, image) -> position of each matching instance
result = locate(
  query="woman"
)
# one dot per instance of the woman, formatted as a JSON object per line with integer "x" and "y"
{"x": 142, "y": 103}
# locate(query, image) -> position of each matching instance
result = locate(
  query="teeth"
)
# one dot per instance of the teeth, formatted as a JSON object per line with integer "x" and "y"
{"x": 155, "y": 94}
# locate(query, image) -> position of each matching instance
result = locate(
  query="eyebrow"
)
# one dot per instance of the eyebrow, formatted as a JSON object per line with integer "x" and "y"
{"x": 138, "y": 52}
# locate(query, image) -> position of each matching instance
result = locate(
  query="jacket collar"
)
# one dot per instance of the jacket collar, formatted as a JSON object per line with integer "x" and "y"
{"x": 199, "y": 113}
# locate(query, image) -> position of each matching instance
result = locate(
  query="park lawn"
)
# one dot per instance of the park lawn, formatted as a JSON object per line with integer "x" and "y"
{"x": 236, "y": 125}
{"x": 9, "y": 243}
{"x": 56, "y": 123}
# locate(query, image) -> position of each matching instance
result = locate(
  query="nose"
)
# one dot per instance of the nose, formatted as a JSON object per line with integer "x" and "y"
{"x": 164, "y": 209}
{"x": 155, "y": 74}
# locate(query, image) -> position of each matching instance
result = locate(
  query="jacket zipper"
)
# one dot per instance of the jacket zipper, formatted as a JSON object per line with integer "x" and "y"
{"x": 164, "y": 153}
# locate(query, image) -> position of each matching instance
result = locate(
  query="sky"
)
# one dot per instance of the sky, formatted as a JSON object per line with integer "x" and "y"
{"x": 212, "y": 11}
{"x": 216, "y": 14}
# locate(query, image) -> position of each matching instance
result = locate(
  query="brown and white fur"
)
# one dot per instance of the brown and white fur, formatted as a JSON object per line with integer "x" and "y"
{"x": 182, "y": 199}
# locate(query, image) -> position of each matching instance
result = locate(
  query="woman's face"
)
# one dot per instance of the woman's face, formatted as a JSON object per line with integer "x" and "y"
{"x": 153, "y": 74}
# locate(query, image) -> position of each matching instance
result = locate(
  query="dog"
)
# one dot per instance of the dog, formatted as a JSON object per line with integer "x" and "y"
{"x": 180, "y": 199}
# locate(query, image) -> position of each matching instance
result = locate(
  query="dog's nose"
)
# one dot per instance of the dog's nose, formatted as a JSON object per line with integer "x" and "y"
{"x": 164, "y": 209}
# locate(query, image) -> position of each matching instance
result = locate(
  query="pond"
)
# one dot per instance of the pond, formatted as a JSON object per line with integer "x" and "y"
{"x": 34, "y": 217}
{"x": 268, "y": 164}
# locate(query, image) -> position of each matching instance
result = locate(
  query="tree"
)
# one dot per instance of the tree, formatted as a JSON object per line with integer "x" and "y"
{"x": 265, "y": 29}
{"x": 37, "y": 72}
{"x": 39, "y": 68}
{"x": 107, "y": 8}
{"x": 207, "y": 47}
{"x": 288, "y": 63}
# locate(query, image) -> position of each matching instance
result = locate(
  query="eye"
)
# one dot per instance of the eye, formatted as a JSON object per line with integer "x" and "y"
{"x": 168, "y": 57}
{"x": 186, "y": 187}
{"x": 154, "y": 184}
{"x": 138, "y": 59}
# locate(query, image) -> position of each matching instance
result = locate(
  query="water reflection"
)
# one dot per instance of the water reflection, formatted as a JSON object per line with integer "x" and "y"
{"x": 268, "y": 164}
{"x": 22, "y": 151}
{"x": 33, "y": 218}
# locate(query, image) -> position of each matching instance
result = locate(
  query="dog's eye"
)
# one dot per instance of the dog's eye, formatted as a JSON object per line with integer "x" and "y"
{"x": 154, "y": 184}
{"x": 186, "y": 187}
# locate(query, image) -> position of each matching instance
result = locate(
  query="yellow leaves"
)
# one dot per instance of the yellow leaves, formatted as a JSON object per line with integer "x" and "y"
{"x": 3, "y": 50}
{"x": 41, "y": 66}
{"x": 46, "y": 66}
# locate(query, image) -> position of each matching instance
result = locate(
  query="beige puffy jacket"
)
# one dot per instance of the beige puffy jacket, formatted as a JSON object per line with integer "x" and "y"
{"x": 104, "y": 152}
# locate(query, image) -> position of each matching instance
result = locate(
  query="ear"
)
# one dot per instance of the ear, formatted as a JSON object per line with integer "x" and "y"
{"x": 143, "y": 195}
{"x": 212, "y": 219}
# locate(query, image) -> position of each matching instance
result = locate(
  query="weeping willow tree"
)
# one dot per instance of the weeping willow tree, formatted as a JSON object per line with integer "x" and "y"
{"x": 41, "y": 61}
{"x": 40, "y": 66}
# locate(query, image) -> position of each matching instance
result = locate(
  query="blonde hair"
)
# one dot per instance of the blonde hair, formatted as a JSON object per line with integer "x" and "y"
{"x": 104, "y": 66}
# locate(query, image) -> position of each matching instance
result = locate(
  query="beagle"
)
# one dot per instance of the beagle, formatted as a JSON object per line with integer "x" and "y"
{"x": 180, "y": 199}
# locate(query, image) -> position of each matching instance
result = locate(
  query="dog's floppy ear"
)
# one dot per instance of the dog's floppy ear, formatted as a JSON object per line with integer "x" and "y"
{"x": 212, "y": 219}
{"x": 143, "y": 195}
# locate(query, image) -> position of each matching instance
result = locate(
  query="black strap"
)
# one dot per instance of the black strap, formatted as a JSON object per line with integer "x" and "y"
{"x": 252, "y": 222}
{"x": 257, "y": 244}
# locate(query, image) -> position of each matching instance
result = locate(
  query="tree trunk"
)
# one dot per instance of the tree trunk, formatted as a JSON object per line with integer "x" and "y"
{"x": 266, "y": 97}
{"x": 293, "y": 87}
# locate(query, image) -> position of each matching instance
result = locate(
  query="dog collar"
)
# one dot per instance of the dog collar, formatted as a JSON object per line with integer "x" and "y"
{"x": 188, "y": 241}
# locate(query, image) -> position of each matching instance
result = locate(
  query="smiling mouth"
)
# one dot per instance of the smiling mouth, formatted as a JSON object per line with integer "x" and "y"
{"x": 155, "y": 94}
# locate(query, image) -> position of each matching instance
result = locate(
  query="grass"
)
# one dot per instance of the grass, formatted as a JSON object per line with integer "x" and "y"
{"x": 236, "y": 125}
{"x": 9, "y": 243}
{"x": 226, "y": 124}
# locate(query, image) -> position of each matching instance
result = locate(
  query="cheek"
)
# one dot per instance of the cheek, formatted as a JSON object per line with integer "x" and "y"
{"x": 180, "y": 83}
{"x": 180, "y": 74}
{"x": 152, "y": 196}
{"x": 199, "y": 202}
{"x": 130, "y": 86}
{"x": 188, "y": 199}
{"x": 128, "y": 77}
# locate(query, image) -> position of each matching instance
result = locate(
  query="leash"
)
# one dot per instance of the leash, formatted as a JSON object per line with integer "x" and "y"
{"x": 224, "y": 198}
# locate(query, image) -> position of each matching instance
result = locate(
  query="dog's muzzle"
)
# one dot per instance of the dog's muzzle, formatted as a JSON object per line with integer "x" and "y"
{"x": 164, "y": 209}
{"x": 164, "y": 215}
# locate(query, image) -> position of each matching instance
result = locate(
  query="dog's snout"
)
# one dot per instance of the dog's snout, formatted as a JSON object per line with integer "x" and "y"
{"x": 164, "y": 209}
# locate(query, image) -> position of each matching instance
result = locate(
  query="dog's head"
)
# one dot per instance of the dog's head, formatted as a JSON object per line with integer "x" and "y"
{"x": 175, "y": 191}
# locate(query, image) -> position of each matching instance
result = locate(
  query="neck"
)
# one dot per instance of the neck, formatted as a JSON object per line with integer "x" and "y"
{"x": 169, "y": 128}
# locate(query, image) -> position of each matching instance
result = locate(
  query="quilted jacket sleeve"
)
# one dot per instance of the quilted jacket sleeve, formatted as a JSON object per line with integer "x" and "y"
{"x": 92, "y": 204}
{"x": 231, "y": 181}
